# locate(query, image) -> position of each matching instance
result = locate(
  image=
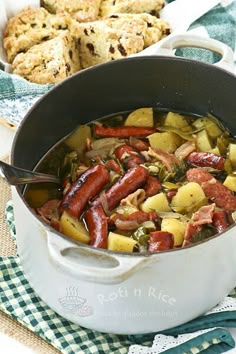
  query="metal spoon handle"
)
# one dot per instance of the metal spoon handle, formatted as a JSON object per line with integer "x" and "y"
{"x": 15, "y": 175}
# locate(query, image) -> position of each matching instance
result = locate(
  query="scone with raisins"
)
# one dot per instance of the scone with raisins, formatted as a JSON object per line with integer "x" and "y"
{"x": 29, "y": 27}
{"x": 150, "y": 27}
{"x": 110, "y": 7}
{"x": 49, "y": 62}
{"x": 99, "y": 43}
{"x": 81, "y": 10}
{"x": 117, "y": 36}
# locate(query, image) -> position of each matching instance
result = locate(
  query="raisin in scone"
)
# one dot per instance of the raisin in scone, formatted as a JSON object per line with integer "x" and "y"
{"x": 150, "y": 27}
{"x": 49, "y": 62}
{"x": 99, "y": 43}
{"x": 81, "y": 10}
{"x": 29, "y": 27}
{"x": 109, "y": 7}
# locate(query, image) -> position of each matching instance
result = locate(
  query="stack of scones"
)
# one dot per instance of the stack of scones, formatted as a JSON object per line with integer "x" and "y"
{"x": 45, "y": 45}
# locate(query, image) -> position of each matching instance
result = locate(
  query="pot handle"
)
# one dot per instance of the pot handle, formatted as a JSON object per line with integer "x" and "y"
{"x": 174, "y": 41}
{"x": 93, "y": 265}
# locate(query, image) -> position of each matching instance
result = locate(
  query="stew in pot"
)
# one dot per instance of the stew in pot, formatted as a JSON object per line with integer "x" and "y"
{"x": 141, "y": 181}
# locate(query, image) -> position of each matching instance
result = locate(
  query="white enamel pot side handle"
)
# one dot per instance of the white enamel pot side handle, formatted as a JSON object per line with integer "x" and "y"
{"x": 172, "y": 42}
{"x": 90, "y": 264}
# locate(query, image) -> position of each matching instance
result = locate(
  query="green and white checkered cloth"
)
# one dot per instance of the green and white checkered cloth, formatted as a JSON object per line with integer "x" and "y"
{"x": 207, "y": 334}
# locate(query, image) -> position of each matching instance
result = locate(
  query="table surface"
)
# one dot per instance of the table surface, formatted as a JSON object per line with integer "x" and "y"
{"x": 11, "y": 345}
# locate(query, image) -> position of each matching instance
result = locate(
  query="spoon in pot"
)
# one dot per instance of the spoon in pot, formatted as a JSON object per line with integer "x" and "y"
{"x": 15, "y": 175}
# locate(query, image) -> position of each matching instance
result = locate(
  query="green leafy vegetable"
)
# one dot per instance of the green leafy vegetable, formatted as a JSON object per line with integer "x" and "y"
{"x": 206, "y": 232}
{"x": 142, "y": 236}
{"x": 183, "y": 134}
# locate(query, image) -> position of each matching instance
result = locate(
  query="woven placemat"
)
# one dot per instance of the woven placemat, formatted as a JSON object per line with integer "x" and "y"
{"x": 8, "y": 325}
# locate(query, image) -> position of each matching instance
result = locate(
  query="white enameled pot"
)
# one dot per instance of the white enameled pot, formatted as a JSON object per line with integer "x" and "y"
{"x": 115, "y": 292}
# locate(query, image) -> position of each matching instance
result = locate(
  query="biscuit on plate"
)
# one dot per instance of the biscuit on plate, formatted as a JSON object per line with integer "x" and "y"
{"x": 81, "y": 10}
{"x": 99, "y": 43}
{"x": 150, "y": 27}
{"x": 109, "y": 7}
{"x": 49, "y": 62}
{"x": 29, "y": 27}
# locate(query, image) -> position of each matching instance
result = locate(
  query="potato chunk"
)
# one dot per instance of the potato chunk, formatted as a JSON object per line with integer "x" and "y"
{"x": 187, "y": 195}
{"x": 73, "y": 228}
{"x": 117, "y": 242}
{"x": 77, "y": 140}
{"x": 157, "y": 203}
{"x": 142, "y": 117}
{"x": 175, "y": 120}
{"x": 210, "y": 125}
{"x": 175, "y": 227}
{"x": 230, "y": 183}
{"x": 203, "y": 141}
{"x": 166, "y": 141}
{"x": 232, "y": 154}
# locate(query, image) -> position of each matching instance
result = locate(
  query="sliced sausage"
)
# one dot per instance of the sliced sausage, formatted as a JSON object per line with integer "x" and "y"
{"x": 220, "y": 221}
{"x": 128, "y": 156}
{"x": 206, "y": 159}
{"x": 139, "y": 144}
{"x": 160, "y": 241}
{"x": 152, "y": 186}
{"x": 128, "y": 183}
{"x": 97, "y": 225}
{"x": 86, "y": 187}
{"x": 123, "y": 131}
